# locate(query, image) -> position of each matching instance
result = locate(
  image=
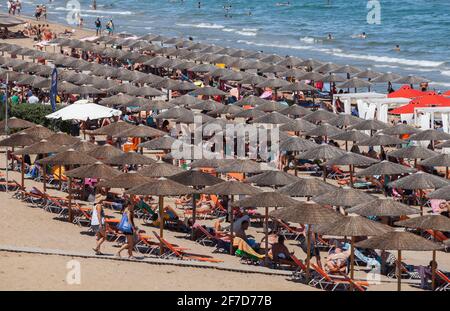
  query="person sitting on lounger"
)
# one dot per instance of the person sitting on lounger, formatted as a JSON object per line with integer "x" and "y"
{"x": 280, "y": 251}
{"x": 240, "y": 226}
{"x": 337, "y": 261}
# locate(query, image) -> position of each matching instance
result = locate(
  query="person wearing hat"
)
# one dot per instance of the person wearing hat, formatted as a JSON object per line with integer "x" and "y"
{"x": 98, "y": 223}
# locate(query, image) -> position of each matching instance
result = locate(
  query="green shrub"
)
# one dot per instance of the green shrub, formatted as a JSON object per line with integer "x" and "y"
{"x": 36, "y": 113}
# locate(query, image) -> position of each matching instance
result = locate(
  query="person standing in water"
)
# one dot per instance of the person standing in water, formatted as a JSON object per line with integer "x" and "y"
{"x": 98, "y": 27}
{"x": 199, "y": 4}
{"x": 94, "y": 5}
{"x": 110, "y": 27}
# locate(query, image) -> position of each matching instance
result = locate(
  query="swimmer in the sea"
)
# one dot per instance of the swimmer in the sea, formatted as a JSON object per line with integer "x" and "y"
{"x": 330, "y": 37}
{"x": 397, "y": 48}
{"x": 363, "y": 35}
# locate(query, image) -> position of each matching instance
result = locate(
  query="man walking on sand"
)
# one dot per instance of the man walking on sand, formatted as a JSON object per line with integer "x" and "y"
{"x": 110, "y": 27}
{"x": 98, "y": 27}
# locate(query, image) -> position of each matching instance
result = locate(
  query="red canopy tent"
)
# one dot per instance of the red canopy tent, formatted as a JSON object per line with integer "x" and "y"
{"x": 447, "y": 93}
{"x": 406, "y": 92}
{"x": 429, "y": 100}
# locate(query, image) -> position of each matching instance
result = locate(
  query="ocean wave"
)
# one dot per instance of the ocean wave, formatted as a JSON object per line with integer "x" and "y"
{"x": 308, "y": 40}
{"x": 95, "y": 11}
{"x": 445, "y": 73}
{"x": 247, "y": 32}
{"x": 202, "y": 25}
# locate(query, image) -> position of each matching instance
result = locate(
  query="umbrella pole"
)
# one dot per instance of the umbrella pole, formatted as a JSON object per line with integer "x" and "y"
{"x": 70, "y": 199}
{"x": 324, "y": 171}
{"x": 446, "y": 172}
{"x": 346, "y": 145}
{"x": 266, "y": 234}
{"x": 44, "y": 166}
{"x": 433, "y": 271}
{"x": 399, "y": 271}
{"x": 231, "y": 224}
{"x": 193, "y": 215}
{"x": 351, "y": 175}
{"x": 308, "y": 252}
{"x": 161, "y": 222}
{"x": 352, "y": 260}
{"x": 22, "y": 168}
{"x": 60, "y": 178}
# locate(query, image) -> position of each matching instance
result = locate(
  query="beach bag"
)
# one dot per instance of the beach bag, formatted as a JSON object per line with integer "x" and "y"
{"x": 125, "y": 225}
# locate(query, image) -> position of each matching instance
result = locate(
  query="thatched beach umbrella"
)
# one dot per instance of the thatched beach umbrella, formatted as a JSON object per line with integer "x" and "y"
{"x": 160, "y": 169}
{"x": 344, "y": 120}
{"x": 440, "y": 194}
{"x": 319, "y": 115}
{"x": 161, "y": 143}
{"x": 272, "y": 178}
{"x": 39, "y": 132}
{"x": 324, "y": 130}
{"x": 382, "y": 207}
{"x": 385, "y": 168}
{"x": 270, "y": 106}
{"x": 307, "y": 187}
{"x": 351, "y": 135}
{"x": 112, "y": 129}
{"x": 298, "y": 125}
{"x": 249, "y": 113}
{"x": 251, "y": 101}
{"x": 105, "y": 152}
{"x": 69, "y": 157}
{"x": 400, "y": 241}
{"x": 126, "y": 181}
{"x": 61, "y": 138}
{"x": 129, "y": 158}
{"x": 266, "y": 200}
{"x": 162, "y": 188}
{"x": 272, "y": 118}
{"x": 431, "y": 134}
{"x": 323, "y": 153}
{"x": 141, "y": 131}
{"x": 208, "y": 91}
{"x": 343, "y": 197}
{"x": 381, "y": 140}
{"x": 353, "y": 226}
{"x": 351, "y": 159}
{"x": 240, "y": 166}
{"x": 295, "y": 143}
{"x": 400, "y": 129}
{"x": 412, "y": 152}
{"x": 295, "y": 110}
{"x": 309, "y": 214}
{"x": 372, "y": 125}
{"x": 419, "y": 181}
{"x": 16, "y": 123}
{"x": 386, "y": 77}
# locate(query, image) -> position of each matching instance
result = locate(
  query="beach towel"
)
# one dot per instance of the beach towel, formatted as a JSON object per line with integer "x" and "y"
{"x": 244, "y": 250}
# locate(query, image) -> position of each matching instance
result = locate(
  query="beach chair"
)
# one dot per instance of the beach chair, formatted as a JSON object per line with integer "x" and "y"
{"x": 445, "y": 286}
{"x": 207, "y": 238}
{"x": 405, "y": 273}
{"x": 247, "y": 254}
{"x": 300, "y": 268}
{"x": 288, "y": 231}
{"x": 325, "y": 281}
{"x": 337, "y": 173}
{"x": 180, "y": 254}
{"x": 34, "y": 197}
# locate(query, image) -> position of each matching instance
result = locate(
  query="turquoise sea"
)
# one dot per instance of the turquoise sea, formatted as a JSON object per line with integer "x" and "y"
{"x": 421, "y": 28}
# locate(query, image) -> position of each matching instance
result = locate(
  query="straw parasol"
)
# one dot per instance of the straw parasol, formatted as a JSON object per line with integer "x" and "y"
{"x": 185, "y": 100}
{"x": 400, "y": 241}
{"x": 141, "y": 131}
{"x": 307, "y": 187}
{"x": 344, "y": 120}
{"x": 309, "y": 214}
{"x": 61, "y": 138}
{"x": 431, "y": 134}
{"x": 97, "y": 170}
{"x": 208, "y": 91}
{"x": 440, "y": 194}
{"x": 251, "y": 101}
{"x": 173, "y": 113}
{"x": 20, "y": 139}
{"x": 351, "y": 159}
{"x": 272, "y": 178}
{"x": 419, "y": 181}
{"x": 297, "y": 87}
{"x": 104, "y": 152}
{"x": 160, "y": 169}
{"x": 69, "y": 157}
{"x": 129, "y": 158}
{"x": 382, "y": 207}
{"x": 298, "y": 125}
{"x": 270, "y": 106}
{"x": 381, "y": 140}
{"x": 272, "y": 118}
{"x": 386, "y": 77}
{"x": 38, "y": 131}
{"x": 351, "y": 135}
{"x": 113, "y": 128}
{"x": 319, "y": 116}
{"x": 266, "y": 200}
{"x": 322, "y": 152}
{"x": 161, "y": 143}
{"x": 325, "y": 130}
{"x": 413, "y": 152}
{"x": 126, "y": 181}
{"x": 295, "y": 143}
{"x": 353, "y": 226}
{"x": 250, "y": 113}
{"x": 344, "y": 197}
{"x": 81, "y": 146}
{"x": 332, "y": 77}
{"x": 347, "y": 69}
{"x": 162, "y": 187}
{"x": 327, "y": 67}
{"x": 354, "y": 83}
{"x": 385, "y": 168}
{"x": 410, "y": 79}
{"x": 240, "y": 166}
{"x": 371, "y": 125}
{"x": 207, "y": 105}
{"x": 400, "y": 129}
{"x": 117, "y": 100}
{"x": 16, "y": 123}
{"x": 295, "y": 110}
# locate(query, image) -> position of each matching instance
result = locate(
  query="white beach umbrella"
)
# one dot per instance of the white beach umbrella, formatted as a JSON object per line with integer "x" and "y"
{"x": 84, "y": 111}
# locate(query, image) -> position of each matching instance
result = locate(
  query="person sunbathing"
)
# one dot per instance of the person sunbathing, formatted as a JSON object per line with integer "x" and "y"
{"x": 337, "y": 261}
{"x": 280, "y": 252}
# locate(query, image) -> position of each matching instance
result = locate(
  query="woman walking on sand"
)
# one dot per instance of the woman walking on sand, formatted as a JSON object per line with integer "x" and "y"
{"x": 128, "y": 228}
{"x": 98, "y": 225}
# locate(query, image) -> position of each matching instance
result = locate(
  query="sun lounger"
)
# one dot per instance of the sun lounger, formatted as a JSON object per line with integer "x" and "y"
{"x": 171, "y": 251}
{"x": 207, "y": 238}
{"x": 248, "y": 255}
{"x": 325, "y": 281}
{"x": 288, "y": 231}
{"x": 445, "y": 286}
